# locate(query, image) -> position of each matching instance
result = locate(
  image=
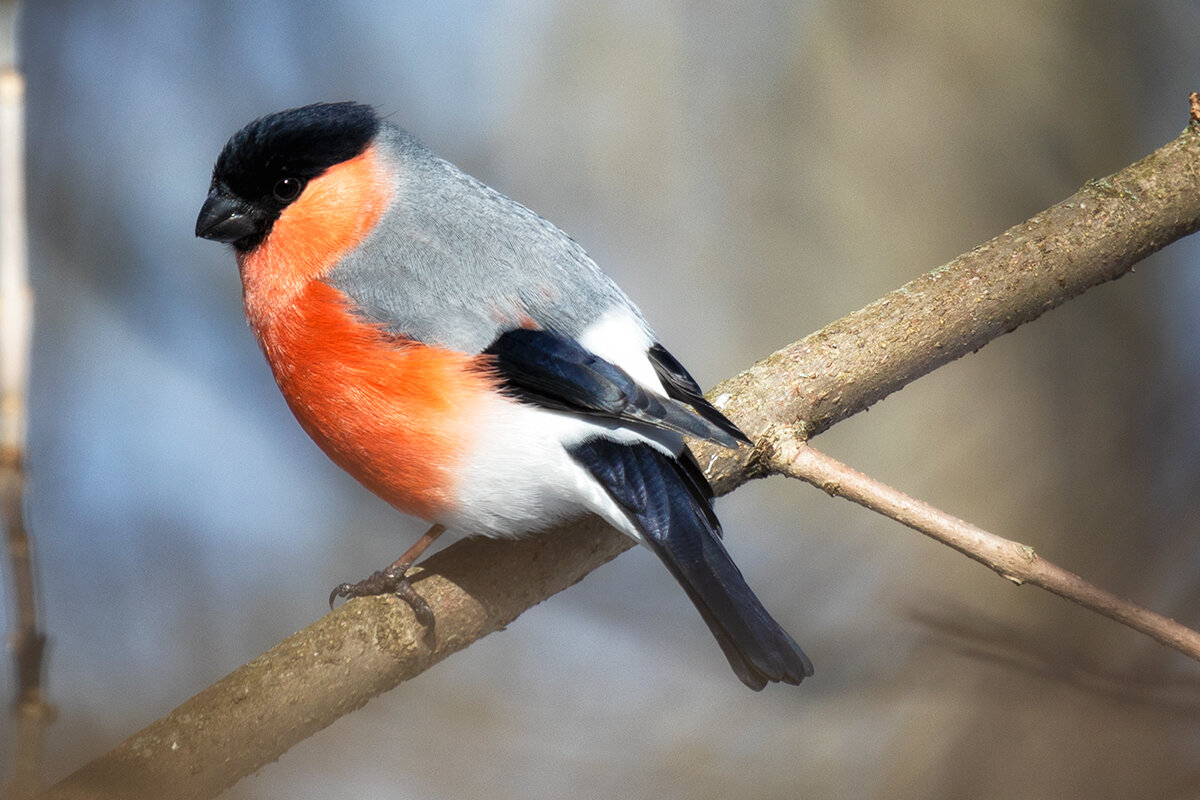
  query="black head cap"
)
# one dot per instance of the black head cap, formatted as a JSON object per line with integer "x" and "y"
{"x": 266, "y": 165}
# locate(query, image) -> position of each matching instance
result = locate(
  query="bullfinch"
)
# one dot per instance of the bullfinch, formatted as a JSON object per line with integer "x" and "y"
{"x": 466, "y": 361}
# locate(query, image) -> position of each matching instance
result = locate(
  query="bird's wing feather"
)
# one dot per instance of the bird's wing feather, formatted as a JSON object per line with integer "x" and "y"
{"x": 683, "y": 387}
{"x": 555, "y": 371}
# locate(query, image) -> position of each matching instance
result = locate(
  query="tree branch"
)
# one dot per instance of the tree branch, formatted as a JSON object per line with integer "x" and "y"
{"x": 334, "y": 666}
{"x": 1094, "y": 236}
{"x": 477, "y": 586}
{"x": 1017, "y": 562}
{"x": 31, "y": 711}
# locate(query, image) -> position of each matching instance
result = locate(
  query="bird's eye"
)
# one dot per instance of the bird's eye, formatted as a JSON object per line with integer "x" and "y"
{"x": 287, "y": 189}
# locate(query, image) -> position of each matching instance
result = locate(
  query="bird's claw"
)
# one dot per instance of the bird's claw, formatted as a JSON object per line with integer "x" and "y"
{"x": 385, "y": 582}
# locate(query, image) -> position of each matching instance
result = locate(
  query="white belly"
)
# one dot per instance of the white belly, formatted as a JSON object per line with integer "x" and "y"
{"x": 518, "y": 477}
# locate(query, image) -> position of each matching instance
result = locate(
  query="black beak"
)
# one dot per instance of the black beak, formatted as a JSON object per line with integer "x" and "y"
{"x": 227, "y": 219}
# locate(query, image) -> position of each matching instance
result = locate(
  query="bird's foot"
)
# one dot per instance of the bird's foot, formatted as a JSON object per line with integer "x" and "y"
{"x": 386, "y": 581}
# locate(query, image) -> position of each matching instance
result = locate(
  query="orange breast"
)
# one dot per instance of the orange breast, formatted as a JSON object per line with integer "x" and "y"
{"x": 396, "y": 415}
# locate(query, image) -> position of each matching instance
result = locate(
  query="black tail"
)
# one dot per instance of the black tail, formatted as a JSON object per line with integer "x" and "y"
{"x": 676, "y": 519}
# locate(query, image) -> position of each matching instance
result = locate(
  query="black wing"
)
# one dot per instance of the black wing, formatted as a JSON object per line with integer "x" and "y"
{"x": 555, "y": 371}
{"x": 683, "y": 387}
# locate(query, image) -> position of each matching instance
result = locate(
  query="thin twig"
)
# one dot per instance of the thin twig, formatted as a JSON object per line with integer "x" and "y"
{"x": 369, "y": 645}
{"x": 1017, "y": 562}
{"x": 31, "y": 710}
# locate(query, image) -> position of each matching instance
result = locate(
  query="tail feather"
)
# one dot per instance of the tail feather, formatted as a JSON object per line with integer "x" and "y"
{"x": 675, "y": 517}
{"x": 757, "y": 648}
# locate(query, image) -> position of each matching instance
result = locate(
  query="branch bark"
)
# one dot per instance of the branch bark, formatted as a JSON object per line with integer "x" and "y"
{"x": 1094, "y": 236}
{"x": 477, "y": 586}
{"x": 334, "y": 666}
{"x": 1014, "y": 561}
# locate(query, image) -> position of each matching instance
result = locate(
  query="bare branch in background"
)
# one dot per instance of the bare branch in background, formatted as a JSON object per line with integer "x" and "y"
{"x": 477, "y": 586}
{"x": 32, "y": 713}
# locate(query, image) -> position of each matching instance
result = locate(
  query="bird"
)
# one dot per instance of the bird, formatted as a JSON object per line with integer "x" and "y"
{"x": 466, "y": 361}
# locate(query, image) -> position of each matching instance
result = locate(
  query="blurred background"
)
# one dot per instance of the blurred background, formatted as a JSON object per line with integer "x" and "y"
{"x": 748, "y": 172}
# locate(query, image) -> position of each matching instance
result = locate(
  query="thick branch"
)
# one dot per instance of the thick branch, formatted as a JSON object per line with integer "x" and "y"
{"x": 334, "y": 666}
{"x": 1094, "y": 236}
{"x": 477, "y": 586}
